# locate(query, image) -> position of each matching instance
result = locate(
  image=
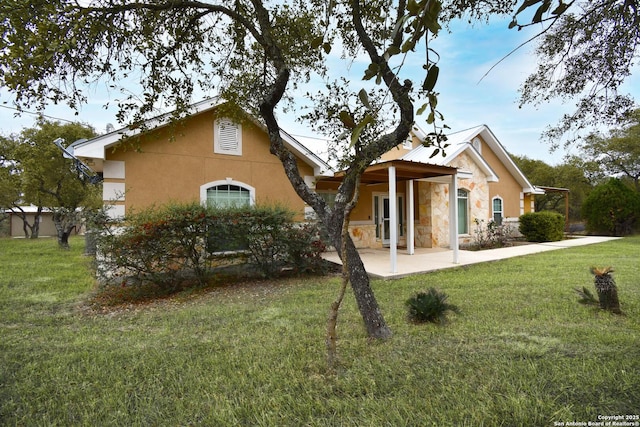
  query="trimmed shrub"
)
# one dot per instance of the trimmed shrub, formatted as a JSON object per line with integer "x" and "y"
{"x": 161, "y": 245}
{"x": 612, "y": 208}
{"x": 544, "y": 226}
{"x": 270, "y": 237}
{"x": 305, "y": 247}
{"x": 267, "y": 237}
{"x": 177, "y": 245}
{"x": 429, "y": 306}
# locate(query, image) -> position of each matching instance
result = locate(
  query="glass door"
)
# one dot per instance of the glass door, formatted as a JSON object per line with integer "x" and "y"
{"x": 382, "y": 215}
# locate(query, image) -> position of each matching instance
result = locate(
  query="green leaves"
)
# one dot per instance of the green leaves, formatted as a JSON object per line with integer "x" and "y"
{"x": 373, "y": 71}
{"x": 355, "y": 135}
{"x": 319, "y": 42}
{"x": 527, "y": 4}
{"x": 432, "y": 78}
{"x": 364, "y": 98}
{"x": 538, "y": 15}
{"x": 350, "y": 123}
{"x": 347, "y": 119}
{"x": 429, "y": 306}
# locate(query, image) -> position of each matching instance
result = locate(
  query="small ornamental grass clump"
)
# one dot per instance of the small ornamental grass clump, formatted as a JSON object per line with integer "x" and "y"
{"x": 429, "y": 306}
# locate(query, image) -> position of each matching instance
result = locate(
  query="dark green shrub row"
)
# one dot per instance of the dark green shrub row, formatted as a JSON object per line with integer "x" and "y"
{"x": 181, "y": 243}
{"x": 544, "y": 226}
{"x": 612, "y": 208}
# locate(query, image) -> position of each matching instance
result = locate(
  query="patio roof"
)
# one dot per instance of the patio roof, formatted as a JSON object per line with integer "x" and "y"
{"x": 394, "y": 171}
{"x": 406, "y": 170}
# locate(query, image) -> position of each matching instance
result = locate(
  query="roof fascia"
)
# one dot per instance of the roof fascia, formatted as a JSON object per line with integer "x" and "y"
{"x": 480, "y": 161}
{"x": 506, "y": 159}
{"x": 96, "y": 148}
{"x": 320, "y": 167}
{"x": 473, "y": 153}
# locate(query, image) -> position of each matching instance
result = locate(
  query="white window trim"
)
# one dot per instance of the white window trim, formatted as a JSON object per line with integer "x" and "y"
{"x": 217, "y": 148}
{"x": 113, "y": 169}
{"x": 468, "y": 210}
{"x": 493, "y": 212}
{"x": 228, "y": 181}
{"x": 113, "y": 191}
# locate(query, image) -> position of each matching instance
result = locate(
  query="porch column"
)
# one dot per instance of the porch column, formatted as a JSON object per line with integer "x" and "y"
{"x": 410, "y": 220}
{"x": 453, "y": 217}
{"x": 393, "y": 220}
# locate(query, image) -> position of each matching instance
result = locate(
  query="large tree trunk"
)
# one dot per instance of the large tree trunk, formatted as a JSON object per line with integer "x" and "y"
{"x": 35, "y": 228}
{"x": 63, "y": 239}
{"x": 367, "y": 304}
{"x": 65, "y": 221}
{"x": 29, "y": 230}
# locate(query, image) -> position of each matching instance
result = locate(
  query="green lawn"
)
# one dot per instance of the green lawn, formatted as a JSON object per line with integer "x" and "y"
{"x": 522, "y": 352}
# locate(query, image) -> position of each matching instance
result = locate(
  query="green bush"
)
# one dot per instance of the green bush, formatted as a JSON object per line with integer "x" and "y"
{"x": 494, "y": 235}
{"x": 429, "y": 306}
{"x": 544, "y": 226}
{"x": 271, "y": 238}
{"x": 176, "y": 245}
{"x": 305, "y": 247}
{"x": 160, "y": 245}
{"x": 612, "y": 208}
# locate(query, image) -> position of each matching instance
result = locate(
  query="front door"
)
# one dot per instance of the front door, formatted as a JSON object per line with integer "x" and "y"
{"x": 382, "y": 214}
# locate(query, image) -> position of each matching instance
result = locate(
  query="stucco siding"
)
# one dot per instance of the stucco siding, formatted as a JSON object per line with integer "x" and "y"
{"x": 506, "y": 188}
{"x": 174, "y": 163}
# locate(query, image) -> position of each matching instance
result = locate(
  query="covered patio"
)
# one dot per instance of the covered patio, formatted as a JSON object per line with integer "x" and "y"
{"x": 398, "y": 171}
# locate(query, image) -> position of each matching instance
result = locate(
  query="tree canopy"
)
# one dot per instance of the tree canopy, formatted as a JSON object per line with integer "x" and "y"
{"x": 585, "y": 52}
{"x": 612, "y": 208}
{"x": 618, "y": 153}
{"x": 253, "y": 53}
{"x": 37, "y": 173}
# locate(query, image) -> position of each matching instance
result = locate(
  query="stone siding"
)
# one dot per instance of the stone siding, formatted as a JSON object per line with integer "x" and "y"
{"x": 478, "y": 202}
{"x": 364, "y": 236}
{"x": 423, "y": 224}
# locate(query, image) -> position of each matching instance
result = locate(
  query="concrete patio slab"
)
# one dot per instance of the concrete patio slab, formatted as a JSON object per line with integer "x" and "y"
{"x": 378, "y": 264}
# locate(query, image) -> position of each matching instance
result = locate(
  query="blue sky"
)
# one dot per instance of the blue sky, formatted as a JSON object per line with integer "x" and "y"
{"x": 466, "y": 55}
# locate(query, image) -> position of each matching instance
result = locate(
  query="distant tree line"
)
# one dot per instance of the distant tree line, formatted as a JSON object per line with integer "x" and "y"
{"x": 603, "y": 180}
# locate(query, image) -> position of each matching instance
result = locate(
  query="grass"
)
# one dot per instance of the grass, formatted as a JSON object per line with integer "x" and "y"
{"x": 523, "y": 351}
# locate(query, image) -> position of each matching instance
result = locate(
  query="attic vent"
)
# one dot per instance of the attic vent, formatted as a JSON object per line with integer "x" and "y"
{"x": 227, "y": 137}
{"x": 477, "y": 144}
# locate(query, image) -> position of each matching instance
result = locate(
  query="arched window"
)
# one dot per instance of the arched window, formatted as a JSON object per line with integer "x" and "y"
{"x": 463, "y": 211}
{"x": 227, "y": 193}
{"x": 497, "y": 210}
